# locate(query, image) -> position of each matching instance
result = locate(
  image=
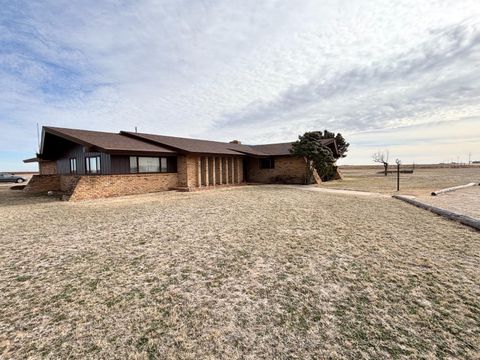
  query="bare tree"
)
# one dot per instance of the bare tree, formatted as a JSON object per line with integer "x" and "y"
{"x": 382, "y": 158}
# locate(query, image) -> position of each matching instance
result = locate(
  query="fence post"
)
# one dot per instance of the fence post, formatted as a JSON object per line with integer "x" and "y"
{"x": 398, "y": 176}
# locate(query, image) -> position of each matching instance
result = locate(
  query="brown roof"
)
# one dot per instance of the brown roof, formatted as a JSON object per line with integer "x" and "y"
{"x": 198, "y": 146}
{"x": 108, "y": 142}
{"x": 280, "y": 149}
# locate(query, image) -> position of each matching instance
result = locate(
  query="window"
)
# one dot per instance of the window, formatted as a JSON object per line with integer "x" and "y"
{"x": 148, "y": 164}
{"x": 92, "y": 165}
{"x": 133, "y": 164}
{"x": 73, "y": 165}
{"x": 267, "y": 163}
{"x": 143, "y": 164}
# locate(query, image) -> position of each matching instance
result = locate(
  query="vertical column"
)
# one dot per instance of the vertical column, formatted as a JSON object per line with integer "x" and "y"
{"x": 214, "y": 171}
{"x": 226, "y": 170}
{"x": 199, "y": 172}
{"x": 239, "y": 173}
{"x": 220, "y": 171}
{"x": 205, "y": 172}
{"x": 233, "y": 170}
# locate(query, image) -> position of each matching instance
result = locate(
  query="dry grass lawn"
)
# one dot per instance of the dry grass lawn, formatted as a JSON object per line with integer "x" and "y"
{"x": 251, "y": 272}
{"x": 421, "y": 182}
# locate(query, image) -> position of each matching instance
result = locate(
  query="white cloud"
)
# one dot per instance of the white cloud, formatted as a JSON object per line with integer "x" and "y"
{"x": 257, "y": 71}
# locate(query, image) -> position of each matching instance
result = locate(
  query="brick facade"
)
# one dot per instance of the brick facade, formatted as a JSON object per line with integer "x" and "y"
{"x": 187, "y": 170}
{"x": 47, "y": 167}
{"x": 43, "y": 183}
{"x": 287, "y": 169}
{"x": 100, "y": 186}
{"x": 192, "y": 171}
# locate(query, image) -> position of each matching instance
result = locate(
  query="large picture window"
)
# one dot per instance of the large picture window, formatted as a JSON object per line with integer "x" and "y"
{"x": 92, "y": 165}
{"x": 144, "y": 164}
{"x": 267, "y": 163}
{"x": 73, "y": 166}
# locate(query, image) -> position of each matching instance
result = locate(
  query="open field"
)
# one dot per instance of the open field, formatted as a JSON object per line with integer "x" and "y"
{"x": 422, "y": 182}
{"x": 249, "y": 272}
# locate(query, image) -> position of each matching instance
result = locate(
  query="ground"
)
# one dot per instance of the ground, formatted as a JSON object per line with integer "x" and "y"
{"x": 249, "y": 272}
{"x": 422, "y": 182}
{"x": 465, "y": 201}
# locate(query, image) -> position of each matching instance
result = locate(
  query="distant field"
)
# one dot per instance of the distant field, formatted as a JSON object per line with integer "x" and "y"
{"x": 421, "y": 182}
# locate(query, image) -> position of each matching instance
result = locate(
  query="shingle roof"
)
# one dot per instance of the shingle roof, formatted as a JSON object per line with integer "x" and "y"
{"x": 280, "y": 149}
{"x": 108, "y": 142}
{"x": 198, "y": 146}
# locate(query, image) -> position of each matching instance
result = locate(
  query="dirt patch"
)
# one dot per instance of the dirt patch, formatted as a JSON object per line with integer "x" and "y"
{"x": 250, "y": 272}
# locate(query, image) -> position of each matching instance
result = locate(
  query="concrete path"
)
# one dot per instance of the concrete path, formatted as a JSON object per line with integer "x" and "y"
{"x": 340, "y": 192}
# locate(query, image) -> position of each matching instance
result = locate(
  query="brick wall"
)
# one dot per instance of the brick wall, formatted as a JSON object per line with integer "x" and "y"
{"x": 187, "y": 171}
{"x": 43, "y": 183}
{"x": 47, "y": 167}
{"x": 288, "y": 169}
{"x": 100, "y": 186}
{"x": 68, "y": 183}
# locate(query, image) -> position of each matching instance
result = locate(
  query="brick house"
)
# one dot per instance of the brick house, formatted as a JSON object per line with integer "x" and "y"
{"x": 91, "y": 164}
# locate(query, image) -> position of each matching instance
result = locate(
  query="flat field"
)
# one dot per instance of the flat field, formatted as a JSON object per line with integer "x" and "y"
{"x": 422, "y": 182}
{"x": 249, "y": 272}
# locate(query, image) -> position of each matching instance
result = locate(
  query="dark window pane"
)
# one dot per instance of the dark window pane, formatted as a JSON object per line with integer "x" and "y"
{"x": 267, "y": 163}
{"x": 172, "y": 164}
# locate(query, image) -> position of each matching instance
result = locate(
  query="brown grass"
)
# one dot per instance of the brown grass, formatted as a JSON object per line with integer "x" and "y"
{"x": 252, "y": 272}
{"x": 421, "y": 182}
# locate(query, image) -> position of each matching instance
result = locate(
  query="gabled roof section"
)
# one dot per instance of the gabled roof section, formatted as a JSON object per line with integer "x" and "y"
{"x": 105, "y": 141}
{"x": 197, "y": 145}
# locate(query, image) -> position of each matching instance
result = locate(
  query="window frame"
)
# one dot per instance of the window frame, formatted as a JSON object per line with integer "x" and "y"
{"x": 160, "y": 165}
{"x": 271, "y": 163}
{"x": 98, "y": 165}
{"x": 74, "y": 169}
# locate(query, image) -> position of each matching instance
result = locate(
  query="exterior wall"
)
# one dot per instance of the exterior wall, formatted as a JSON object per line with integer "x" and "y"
{"x": 68, "y": 183}
{"x": 77, "y": 152}
{"x": 43, "y": 183}
{"x": 187, "y": 170}
{"x": 288, "y": 169}
{"x": 100, "y": 186}
{"x": 47, "y": 167}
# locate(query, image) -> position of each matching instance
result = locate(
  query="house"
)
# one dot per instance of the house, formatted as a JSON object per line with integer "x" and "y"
{"x": 92, "y": 164}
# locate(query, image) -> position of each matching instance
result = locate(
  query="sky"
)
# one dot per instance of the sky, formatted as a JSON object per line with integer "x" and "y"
{"x": 396, "y": 75}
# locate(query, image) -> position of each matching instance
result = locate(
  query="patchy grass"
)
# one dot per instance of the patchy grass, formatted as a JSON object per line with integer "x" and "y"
{"x": 251, "y": 272}
{"x": 421, "y": 182}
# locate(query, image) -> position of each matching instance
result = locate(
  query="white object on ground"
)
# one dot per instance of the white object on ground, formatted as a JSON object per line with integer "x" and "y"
{"x": 443, "y": 191}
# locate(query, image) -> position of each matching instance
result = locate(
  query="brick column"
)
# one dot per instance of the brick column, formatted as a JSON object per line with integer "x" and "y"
{"x": 214, "y": 171}
{"x": 205, "y": 171}
{"x": 199, "y": 171}
{"x": 220, "y": 171}
{"x": 226, "y": 170}
{"x": 239, "y": 173}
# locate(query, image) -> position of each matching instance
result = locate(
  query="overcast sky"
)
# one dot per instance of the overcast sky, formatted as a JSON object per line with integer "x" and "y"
{"x": 403, "y": 75}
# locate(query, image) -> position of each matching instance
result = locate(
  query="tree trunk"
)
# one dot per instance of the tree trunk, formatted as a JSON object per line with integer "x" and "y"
{"x": 385, "y": 165}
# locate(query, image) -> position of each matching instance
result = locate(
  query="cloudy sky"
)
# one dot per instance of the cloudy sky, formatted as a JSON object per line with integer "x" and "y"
{"x": 402, "y": 75}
